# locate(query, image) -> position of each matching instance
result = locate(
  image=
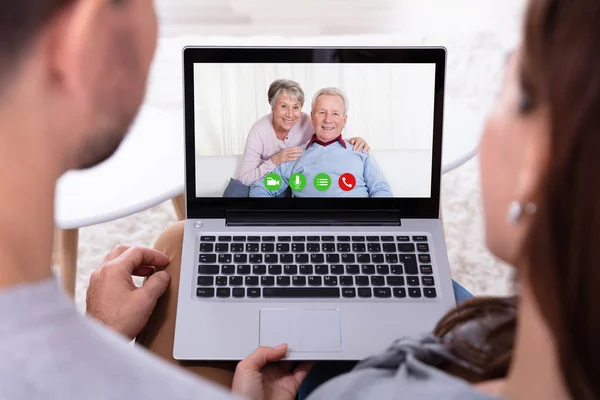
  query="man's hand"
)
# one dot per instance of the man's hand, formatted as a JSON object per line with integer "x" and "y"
{"x": 359, "y": 144}
{"x": 112, "y": 296}
{"x": 291, "y": 154}
{"x": 261, "y": 377}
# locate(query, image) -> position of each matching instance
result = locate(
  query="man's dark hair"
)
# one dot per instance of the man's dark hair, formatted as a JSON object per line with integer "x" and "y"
{"x": 20, "y": 22}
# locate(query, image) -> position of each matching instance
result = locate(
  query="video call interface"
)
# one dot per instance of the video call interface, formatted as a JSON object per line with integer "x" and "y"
{"x": 314, "y": 130}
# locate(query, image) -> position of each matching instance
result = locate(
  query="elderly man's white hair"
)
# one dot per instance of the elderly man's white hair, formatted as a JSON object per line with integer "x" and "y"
{"x": 333, "y": 91}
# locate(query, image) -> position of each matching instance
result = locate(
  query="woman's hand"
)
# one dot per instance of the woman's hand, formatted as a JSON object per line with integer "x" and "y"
{"x": 261, "y": 376}
{"x": 360, "y": 144}
{"x": 291, "y": 154}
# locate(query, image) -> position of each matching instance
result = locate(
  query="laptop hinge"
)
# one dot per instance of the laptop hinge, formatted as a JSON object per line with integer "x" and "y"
{"x": 312, "y": 218}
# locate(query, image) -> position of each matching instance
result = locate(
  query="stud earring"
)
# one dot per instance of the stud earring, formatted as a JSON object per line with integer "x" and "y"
{"x": 517, "y": 210}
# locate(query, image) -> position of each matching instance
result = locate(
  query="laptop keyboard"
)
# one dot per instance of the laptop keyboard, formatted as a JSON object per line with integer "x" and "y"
{"x": 291, "y": 267}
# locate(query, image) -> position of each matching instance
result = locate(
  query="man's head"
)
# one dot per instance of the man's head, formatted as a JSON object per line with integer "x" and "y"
{"x": 82, "y": 67}
{"x": 329, "y": 113}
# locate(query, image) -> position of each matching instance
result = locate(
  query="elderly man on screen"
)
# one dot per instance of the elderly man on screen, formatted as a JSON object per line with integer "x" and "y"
{"x": 328, "y": 167}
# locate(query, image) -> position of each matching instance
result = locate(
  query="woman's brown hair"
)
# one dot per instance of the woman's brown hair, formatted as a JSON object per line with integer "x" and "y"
{"x": 561, "y": 70}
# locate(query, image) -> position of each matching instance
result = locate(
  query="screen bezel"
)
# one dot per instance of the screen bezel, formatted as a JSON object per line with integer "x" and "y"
{"x": 217, "y": 207}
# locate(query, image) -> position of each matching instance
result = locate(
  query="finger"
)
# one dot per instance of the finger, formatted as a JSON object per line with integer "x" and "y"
{"x": 261, "y": 357}
{"x": 359, "y": 146}
{"x": 156, "y": 284}
{"x": 302, "y": 371}
{"x": 143, "y": 270}
{"x": 136, "y": 256}
{"x": 367, "y": 148}
{"x": 293, "y": 157}
{"x": 116, "y": 252}
{"x": 352, "y": 141}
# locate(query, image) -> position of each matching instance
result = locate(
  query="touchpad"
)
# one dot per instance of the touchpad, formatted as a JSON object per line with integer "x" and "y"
{"x": 302, "y": 330}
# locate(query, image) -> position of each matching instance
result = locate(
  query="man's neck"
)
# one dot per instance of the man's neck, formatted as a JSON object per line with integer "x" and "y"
{"x": 28, "y": 172}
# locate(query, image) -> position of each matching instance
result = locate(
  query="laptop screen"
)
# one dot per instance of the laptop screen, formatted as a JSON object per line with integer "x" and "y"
{"x": 343, "y": 125}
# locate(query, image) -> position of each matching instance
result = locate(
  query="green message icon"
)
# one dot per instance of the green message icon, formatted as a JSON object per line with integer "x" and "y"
{"x": 272, "y": 182}
{"x": 322, "y": 182}
{"x": 297, "y": 182}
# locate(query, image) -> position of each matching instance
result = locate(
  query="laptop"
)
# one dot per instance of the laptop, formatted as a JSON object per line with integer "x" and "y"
{"x": 333, "y": 273}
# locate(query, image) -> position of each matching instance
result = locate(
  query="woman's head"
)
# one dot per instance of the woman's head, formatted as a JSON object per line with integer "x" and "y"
{"x": 541, "y": 150}
{"x": 286, "y": 99}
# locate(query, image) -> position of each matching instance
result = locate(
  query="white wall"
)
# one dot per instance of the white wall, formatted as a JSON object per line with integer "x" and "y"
{"x": 390, "y": 106}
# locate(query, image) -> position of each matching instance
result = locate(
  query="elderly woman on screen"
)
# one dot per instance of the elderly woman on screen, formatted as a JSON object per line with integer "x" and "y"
{"x": 276, "y": 138}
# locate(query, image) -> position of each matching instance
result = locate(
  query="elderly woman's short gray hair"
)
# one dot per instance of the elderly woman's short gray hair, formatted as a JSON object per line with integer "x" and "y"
{"x": 285, "y": 85}
{"x": 333, "y": 91}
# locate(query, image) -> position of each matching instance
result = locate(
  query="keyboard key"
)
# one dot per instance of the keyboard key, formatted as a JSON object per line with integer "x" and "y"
{"x": 429, "y": 293}
{"x": 387, "y": 238}
{"x": 286, "y": 258}
{"x": 391, "y": 258}
{"x": 317, "y": 258}
{"x": 301, "y": 258}
{"x": 298, "y": 248}
{"x": 298, "y": 238}
{"x": 364, "y": 292}
{"x": 382, "y": 292}
{"x": 343, "y": 247}
{"x": 239, "y": 292}
{"x": 239, "y": 238}
{"x": 207, "y": 247}
{"x": 208, "y": 269}
{"x": 359, "y": 247}
{"x": 348, "y": 258}
{"x": 306, "y": 292}
{"x": 208, "y": 258}
{"x": 361, "y": 280}
{"x": 343, "y": 238}
{"x": 403, "y": 238}
{"x": 267, "y": 247}
{"x": 237, "y": 247}
{"x": 224, "y": 238}
{"x": 259, "y": 269}
{"x": 424, "y": 258}
{"x": 284, "y": 238}
{"x": 410, "y": 263}
{"x": 348, "y": 292}
{"x": 363, "y": 258}
{"x": 333, "y": 258}
{"x": 207, "y": 238}
{"x": 306, "y": 269}
{"x": 395, "y": 281}
{"x": 224, "y": 258}
{"x": 223, "y": 292}
{"x": 328, "y": 247}
{"x": 271, "y": 258}
{"x": 346, "y": 281}
{"x": 243, "y": 269}
{"x": 399, "y": 292}
{"x": 313, "y": 247}
{"x": 412, "y": 280}
{"x": 389, "y": 247}
{"x": 414, "y": 292}
{"x": 321, "y": 269}
{"x": 283, "y": 281}
{"x": 222, "y": 247}
{"x": 358, "y": 238}
{"x": 420, "y": 239}
{"x": 377, "y": 258}
{"x": 427, "y": 281}
{"x": 337, "y": 269}
{"x": 315, "y": 281}
{"x": 205, "y": 292}
{"x": 377, "y": 281}
{"x": 383, "y": 269}
{"x": 267, "y": 280}
{"x": 313, "y": 238}
{"x": 299, "y": 280}
{"x": 328, "y": 239}
{"x": 252, "y": 247}
{"x": 254, "y": 238}
{"x": 256, "y": 258}
{"x": 352, "y": 269}
{"x": 423, "y": 247}
{"x": 372, "y": 238}
{"x": 251, "y": 281}
{"x": 374, "y": 248}
{"x": 206, "y": 280}
{"x": 236, "y": 280}
{"x": 268, "y": 238}
{"x": 283, "y": 247}
{"x": 221, "y": 280}
{"x": 228, "y": 269}
{"x": 240, "y": 258}
{"x": 397, "y": 269}
{"x": 330, "y": 281}
{"x": 368, "y": 269}
{"x": 290, "y": 269}
{"x": 406, "y": 247}
{"x": 274, "y": 269}
{"x": 426, "y": 269}
{"x": 253, "y": 292}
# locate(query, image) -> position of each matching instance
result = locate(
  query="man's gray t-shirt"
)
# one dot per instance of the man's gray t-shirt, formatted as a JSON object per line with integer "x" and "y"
{"x": 48, "y": 350}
